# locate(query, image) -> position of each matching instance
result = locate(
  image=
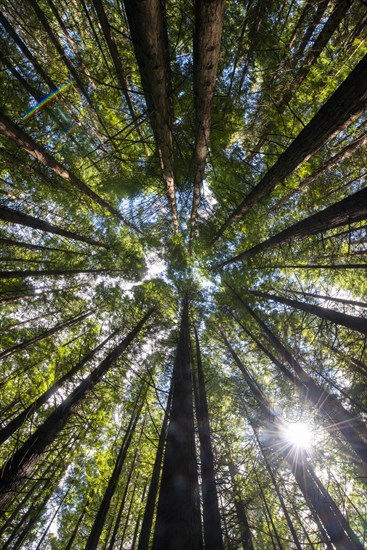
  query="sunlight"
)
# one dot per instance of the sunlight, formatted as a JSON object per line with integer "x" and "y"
{"x": 299, "y": 434}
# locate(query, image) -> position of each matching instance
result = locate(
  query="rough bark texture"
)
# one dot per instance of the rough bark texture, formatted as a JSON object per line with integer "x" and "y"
{"x": 211, "y": 516}
{"x": 21, "y": 464}
{"x": 349, "y": 321}
{"x": 16, "y": 422}
{"x": 345, "y": 104}
{"x": 61, "y": 326}
{"x": 26, "y": 142}
{"x": 99, "y": 521}
{"x": 146, "y": 528}
{"x": 13, "y": 216}
{"x": 149, "y": 35}
{"x": 349, "y": 210}
{"x": 207, "y": 37}
{"x": 178, "y": 516}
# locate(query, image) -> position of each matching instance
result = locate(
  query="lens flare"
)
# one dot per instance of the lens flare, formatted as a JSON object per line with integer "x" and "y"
{"x": 46, "y": 100}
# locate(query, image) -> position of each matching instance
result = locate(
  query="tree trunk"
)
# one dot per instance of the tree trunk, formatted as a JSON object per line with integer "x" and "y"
{"x": 314, "y": 492}
{"x": 246, "y": 539}
{"x": 51, "y": 272}
{"x": 345, "y": 153}
{"x": 146, "y": 528}
{"x": 207, "y": 38}
{"x": 22, "y": 462}
{"x": 61, "y": 326}
{"x": 349, "y": 321}
{"x": 349, "y": 210}
{"x": 178, "y": 516}
{"x": 211, "y": 516}
{"x": 121, "y": 76}
{"x": 26, "y": 52}
{"x": 148, "y": 30}
{"x": 344, "y": 106}
{"x": 99, "y": 521}
{"x": 343, "y": 301}
{"x": 27, "y": 143}
{"x": 28, "y": 246}
{"x": 111, "y": 545}
{"x": 14, "y": 424}
{"x": 13, "y": 216}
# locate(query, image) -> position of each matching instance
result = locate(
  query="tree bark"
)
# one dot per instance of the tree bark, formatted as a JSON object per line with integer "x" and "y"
{"x": 209, "y": 16}
{"x": 16, "y": 422}
{"x": 51, "y": 272}
{"x": 22, "y": 462}
{"x": 28, "y": 246}
{"x": 246, "y": 539}
{"x": 27, "y": 143}
{"x": 352, "y": 209}
{"x": 337, "y": 527}
{"x": 349, "y": 321}
{"x": 344, "y": 106}
{"x": 148, "y": 30}
{"x": 99, "y": 521}
{"x": 211, "y": 516}
{"x": 146, "y": 528}
{"x": 178, "y": 516}
{"x": 345, "y": 153}
{"x": 61, "y": 326}
{"x": 13, "y": 216}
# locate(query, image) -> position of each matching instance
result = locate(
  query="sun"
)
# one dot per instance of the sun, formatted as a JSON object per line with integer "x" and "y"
{"x": 299, "y": 434}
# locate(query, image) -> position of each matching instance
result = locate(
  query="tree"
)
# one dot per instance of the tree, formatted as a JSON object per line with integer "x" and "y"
{"x": 183, "y": 291}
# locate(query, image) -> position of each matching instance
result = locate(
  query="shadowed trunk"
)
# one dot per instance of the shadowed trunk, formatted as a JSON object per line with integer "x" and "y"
{"x": 211, "y": 516}
{"x": 344, "y": 106}
{"x": 14, "y": 424}
{"x": 349, "y": 321}
{"x": 99, "y": 521}
{"x": 26, "y": 142}
{"x": 21, "y": 464}
{"x": 352, "y": 209}
{"x": 178, "y": 515}
{"x": 61, "y": 326}
{"x": 207, "y": 37}
{"x": 13, "y": 216}
{"x": 337, "y": 527}
{"x": 146, "y": 528}
{"x": 51, "y": 272}
{"x": 148, "y": 30}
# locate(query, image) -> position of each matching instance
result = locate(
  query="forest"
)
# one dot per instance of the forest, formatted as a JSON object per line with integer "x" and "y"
{"x": 183, "y": 206}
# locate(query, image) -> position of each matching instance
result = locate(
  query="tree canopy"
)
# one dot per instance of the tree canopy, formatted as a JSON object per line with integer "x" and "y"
{"x": 183, "y": 208}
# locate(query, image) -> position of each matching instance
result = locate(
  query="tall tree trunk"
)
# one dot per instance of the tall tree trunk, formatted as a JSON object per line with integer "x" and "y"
{"x": 150, "y": 40}
{"x": 352, "y": 429}
{"x": 178, "y": 516}
{"x": 61, "y": 326}
{"x": 121, "y": 75}
{"x": 349, "y": 321}
{"x": 99, "y": 521}
{"x": 209, "y": 16}
{"x": 25, "y": 51}
{"x": 344, "y": 106}
{"x": 27, "y": 143}
{"x": 211, "y": 516}
{"x": 343, "y": 301}
{"x": 51, "y": 272}
{"x": 13, "y": 216}
{"x": 16, "y": 422}
{"x": 146, "y": 528}
{"x": 349, "y": 210}
{"x": 29, "y": 246}
{"x": 337, "y": 527}
{"x": 345, "y": 153}
{"x": 246, "y": 539}
{"x": 22, "y": 462}
{"x": 111, "y": 545}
